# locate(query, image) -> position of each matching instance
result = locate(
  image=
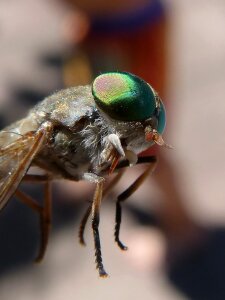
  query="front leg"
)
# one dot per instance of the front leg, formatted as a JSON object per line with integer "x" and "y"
{"x": 84, "y": 220}
{"x": 95, "y": 211}
{"x": 95, "y": 224}
{"x": 109, "y": 160}
{"x": 112, "y": 152}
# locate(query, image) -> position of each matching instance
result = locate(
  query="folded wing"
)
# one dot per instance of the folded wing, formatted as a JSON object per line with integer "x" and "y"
{"x": 15, "y": 159}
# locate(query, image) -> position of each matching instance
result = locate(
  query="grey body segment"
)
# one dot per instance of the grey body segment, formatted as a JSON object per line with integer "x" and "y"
{"x": 67, "y": 106}
{"x": 76, "y": 141}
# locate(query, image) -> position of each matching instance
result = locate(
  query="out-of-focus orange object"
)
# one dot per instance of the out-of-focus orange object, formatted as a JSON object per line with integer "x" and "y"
{"x": 133, "y": 40}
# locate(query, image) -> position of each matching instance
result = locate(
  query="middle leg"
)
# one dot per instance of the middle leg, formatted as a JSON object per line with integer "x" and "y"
{"x": 126, "y": 194}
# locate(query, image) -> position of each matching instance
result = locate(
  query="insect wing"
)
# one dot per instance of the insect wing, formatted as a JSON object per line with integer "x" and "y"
{"x": 15, "y": 159}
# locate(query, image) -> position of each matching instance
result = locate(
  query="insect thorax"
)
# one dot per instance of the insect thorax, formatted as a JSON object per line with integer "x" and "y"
{"x": 80, "y": 133}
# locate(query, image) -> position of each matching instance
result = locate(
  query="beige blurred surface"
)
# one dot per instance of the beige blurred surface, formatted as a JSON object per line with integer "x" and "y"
{"x": 195, "y": 128}
{"x": 197, "y": 93}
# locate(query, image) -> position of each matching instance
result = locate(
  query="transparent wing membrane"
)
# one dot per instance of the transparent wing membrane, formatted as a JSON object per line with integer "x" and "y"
{"x": 15, "y": 159}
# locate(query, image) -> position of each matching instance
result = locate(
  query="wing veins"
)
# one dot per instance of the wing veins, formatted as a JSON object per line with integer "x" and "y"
{"x": 12, "y": 182}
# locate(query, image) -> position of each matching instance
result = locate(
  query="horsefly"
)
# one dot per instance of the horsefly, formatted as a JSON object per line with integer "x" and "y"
{"x": 83, "y": 133}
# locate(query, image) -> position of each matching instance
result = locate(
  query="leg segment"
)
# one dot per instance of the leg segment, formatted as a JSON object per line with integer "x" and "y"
{"x": 84, "y": 220}
{"x": 122, "y": 197}
{"x": 46, "y": 220}
{"x": 44, "y": 212}
{"x": 94, "y": 208}
{"x": 27, "y": 200}
{"x": 95, "y": 224}
{"x": 36, "y": 178}
{"x": 83, "y": 225}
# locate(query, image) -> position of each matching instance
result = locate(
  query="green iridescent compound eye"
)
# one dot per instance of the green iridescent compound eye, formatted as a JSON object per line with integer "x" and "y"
{"x": 124, "y": 96}
{"x": 161, "y": 118}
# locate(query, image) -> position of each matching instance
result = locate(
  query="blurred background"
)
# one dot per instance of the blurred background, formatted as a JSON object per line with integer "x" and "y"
{"x": 174, "y": 224}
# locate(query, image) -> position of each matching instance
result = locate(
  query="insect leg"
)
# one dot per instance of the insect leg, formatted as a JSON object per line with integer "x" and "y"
{"x": 44, "y": 213}
{"x": 46, "y": 220}
{"x": 122, "y": 165}
{"x": 84, "y": 220}
{"x": 36, "y": 178}
{"x": 95, "y": 224}
{"x": 83, "y": 225}
{"x": 113, "y": 182}
{"x": 123, "y": 196}
{"x": 27, "y": 200}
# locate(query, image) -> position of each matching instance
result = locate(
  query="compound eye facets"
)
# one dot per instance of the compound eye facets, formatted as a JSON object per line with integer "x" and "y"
{"x": 124, "y": 96}
{"x": 161, "y": 118}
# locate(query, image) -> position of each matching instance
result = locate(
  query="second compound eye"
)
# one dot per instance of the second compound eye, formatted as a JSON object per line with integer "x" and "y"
{"x": 124, "y": 96}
